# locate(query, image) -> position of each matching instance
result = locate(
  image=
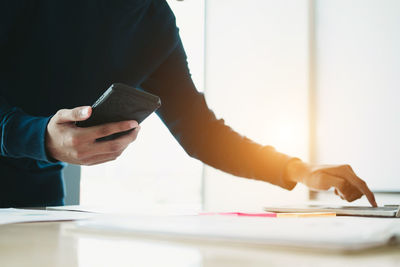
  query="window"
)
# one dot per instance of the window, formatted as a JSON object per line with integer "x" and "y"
{"x": 257, "y": 53}
{"x": 154, "y": 171}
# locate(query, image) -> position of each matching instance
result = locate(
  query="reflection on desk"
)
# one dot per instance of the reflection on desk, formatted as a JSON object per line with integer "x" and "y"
{"x": 63, "y": 244}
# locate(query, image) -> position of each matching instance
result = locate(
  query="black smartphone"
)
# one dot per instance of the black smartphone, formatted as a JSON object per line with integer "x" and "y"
{"x": 121, "y": 102}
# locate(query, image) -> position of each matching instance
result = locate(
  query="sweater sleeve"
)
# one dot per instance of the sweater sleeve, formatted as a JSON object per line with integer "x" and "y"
{"x": 21, "y": 135}
{"x": 203, "y": 136}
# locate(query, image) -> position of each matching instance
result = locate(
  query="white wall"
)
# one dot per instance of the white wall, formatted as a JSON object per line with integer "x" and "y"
{"x": 257, "y": 80}
{"x": 358, "y": 88}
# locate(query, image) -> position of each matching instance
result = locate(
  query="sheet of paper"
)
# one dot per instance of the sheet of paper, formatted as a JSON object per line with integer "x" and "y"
{"x": 30, "y": 215}
{"x": 142, "y": 210}
{"x": 81, "y": 208}
{"x": 271, "y": 214}
{"x": 334, "y": 233}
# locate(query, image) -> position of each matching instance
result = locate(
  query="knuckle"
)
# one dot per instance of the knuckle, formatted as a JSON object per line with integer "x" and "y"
{"x": 115, "y": 147}
{"x": 69, "y": 140}
{"x": 346, "y": 167}
{"x": 74, "y": 155}
{"x": 350, "y": 168}
{"x": 75, "y": 141}
{"x": 104, "y": 131}
{"x": 77, "y": 155}
{"x": 352, "y": 197}
{"x": 358, "y": 195}
{"x": 60, "y": 113}
{"x": 80, "y": 155}
{"x": 77, "y": 112}
{"x": 341, "y": 167}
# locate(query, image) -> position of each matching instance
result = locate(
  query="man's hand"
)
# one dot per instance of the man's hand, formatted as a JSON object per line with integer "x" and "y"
{"x": 69, "y": 143}
{"x": 346, "y": 183}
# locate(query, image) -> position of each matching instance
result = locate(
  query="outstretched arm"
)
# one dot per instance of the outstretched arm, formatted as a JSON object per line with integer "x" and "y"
{"x": 203, "y": 136}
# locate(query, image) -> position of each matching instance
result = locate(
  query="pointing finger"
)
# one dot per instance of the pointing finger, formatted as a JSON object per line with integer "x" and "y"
{"x": 347, "y": 173}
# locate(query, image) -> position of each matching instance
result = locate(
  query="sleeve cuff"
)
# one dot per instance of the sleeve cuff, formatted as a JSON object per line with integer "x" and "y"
{"x": 274, "y": 170}
{"x": 43, "y": 155}
{"x": 25, "y": 136}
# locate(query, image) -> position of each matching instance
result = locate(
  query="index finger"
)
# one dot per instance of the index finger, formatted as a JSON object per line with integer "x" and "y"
{"x": 363, "y": 188}
{"x": 342, "y": 171}
{"x": 98, "y": 131}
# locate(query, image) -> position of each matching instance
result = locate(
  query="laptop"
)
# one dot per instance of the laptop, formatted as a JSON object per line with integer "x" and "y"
{"x": 388, "y": 211}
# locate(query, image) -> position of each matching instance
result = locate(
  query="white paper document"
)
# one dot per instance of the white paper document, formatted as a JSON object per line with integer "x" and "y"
{"x": 30, "y": 215}
{"x": 116, "y": 210}
{"x": 340, "y": 233}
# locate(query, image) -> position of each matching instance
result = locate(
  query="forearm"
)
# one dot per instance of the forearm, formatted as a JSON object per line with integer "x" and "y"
{"x": 21, "y": 135}
{"x": 214, "y": 143}
{"x": 202, "y": 135}
{"x": 225, "y": 149}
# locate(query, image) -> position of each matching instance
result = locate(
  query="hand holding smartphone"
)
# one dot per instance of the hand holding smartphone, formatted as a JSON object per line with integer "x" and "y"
{"x": 121, "y": 102}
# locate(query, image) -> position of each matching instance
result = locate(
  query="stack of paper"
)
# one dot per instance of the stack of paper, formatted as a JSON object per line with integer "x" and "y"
{"x": 338, "y": 233}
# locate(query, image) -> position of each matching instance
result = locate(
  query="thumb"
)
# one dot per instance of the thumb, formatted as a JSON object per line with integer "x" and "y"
{"x": 75, "y": 114}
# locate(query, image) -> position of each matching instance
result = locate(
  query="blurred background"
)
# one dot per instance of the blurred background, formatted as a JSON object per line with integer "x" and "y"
{"x": 316, "y": 79}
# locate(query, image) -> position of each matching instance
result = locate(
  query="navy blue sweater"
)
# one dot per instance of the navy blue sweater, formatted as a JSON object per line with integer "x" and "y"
{"x": 64, "y": 54}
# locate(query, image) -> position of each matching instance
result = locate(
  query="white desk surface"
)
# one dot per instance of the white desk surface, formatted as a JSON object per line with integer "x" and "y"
{"x": 59, "y": 244}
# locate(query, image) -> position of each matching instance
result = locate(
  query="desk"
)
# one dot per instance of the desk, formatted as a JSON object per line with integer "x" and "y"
{"x": 60, "y": 244}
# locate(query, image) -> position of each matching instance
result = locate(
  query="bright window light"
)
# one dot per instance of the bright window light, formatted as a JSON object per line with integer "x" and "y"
{"x": 154, "y": 171}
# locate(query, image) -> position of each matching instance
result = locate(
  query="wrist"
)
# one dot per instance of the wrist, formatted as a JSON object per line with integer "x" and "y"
{"x": 50, "y": 157}
{"x": 295, "y": 170}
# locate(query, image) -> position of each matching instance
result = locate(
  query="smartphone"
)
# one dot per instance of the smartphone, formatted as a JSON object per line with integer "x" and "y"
{"x": 121, "y": 102}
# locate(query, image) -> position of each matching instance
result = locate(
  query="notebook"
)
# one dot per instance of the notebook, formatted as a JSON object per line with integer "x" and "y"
{"x": 389, "y": 211}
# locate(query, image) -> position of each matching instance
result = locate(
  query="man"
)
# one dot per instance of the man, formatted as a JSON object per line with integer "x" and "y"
{"x": 57, "y": 56}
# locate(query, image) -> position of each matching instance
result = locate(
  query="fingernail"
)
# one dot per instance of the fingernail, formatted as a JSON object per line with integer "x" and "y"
{"x": 84, "y": 112}
{"x": 133, "y": 124}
